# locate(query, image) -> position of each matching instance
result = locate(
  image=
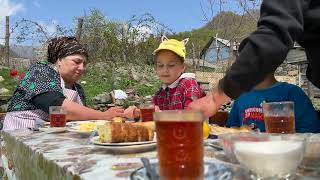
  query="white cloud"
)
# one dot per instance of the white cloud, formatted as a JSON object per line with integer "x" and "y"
{"x": 36, "y": 4}
{"x": 7, "y": 8}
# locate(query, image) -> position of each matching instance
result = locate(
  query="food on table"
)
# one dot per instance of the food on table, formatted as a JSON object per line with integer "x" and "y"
{"x": 148, "y": 124}
{"x": 118, "y": 119}
{"x": 116, "y": 132}
{"x": 217, "y": 130}
{"x": 87, "y": 126}
{"x": 206, "y": 129}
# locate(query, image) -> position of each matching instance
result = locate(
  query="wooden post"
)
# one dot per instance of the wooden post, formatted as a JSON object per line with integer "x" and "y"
{"x": 79, "y": 29}
{"x": 193, "y": 58}
{"x": 7, "y": 37}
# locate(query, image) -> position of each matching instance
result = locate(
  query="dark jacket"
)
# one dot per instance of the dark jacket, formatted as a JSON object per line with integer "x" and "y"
{"x": 281, "y": 23}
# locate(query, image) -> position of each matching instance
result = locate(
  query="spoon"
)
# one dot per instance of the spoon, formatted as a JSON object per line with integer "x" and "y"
{"x": 217, "y": 147}
{"x": 93, "y": 133}
{"x": 150, "y": 171}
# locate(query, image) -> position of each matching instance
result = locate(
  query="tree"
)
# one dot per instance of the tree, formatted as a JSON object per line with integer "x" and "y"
{"x": 121, "y": 42}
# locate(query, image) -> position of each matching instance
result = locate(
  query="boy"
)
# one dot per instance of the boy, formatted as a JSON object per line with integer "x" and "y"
{"x": 179, "y": 89}
{"x": 247, "y": 109}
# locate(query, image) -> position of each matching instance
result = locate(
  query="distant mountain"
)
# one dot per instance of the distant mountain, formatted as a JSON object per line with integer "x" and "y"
{"x": 2, "y": 52}
{"x": 27, "y": 52}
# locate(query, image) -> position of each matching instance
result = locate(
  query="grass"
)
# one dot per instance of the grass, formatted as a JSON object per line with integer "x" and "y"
{"x": 9, "y": 82}
{"x": 99, "y": 80}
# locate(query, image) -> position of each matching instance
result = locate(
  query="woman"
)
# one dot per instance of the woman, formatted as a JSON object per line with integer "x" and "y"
{"x": 53, "y": 83}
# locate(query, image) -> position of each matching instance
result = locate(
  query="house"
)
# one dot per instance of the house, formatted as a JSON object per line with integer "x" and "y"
{"x": 297, "y": 56}
{"x": 218, "y": 50}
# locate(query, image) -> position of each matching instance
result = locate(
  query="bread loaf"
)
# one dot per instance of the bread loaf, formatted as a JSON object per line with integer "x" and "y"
{"x": 116, "y": 132}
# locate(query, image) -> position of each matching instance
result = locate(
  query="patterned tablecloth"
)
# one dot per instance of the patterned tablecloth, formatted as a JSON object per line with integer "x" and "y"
{"x": 41, "y": 156}
{"x": 29, "y": 155}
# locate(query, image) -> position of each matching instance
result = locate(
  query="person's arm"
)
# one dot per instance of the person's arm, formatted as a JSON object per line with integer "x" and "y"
{"x": 280, "y": 24}
{"x": 76, "y": 111}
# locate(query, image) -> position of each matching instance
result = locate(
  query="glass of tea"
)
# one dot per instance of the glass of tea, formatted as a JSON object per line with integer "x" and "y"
{"x": 180, "y": 144}
{"x": 146, "y": 112}
{"x": 279, "y": 117}
{"x": 57, "y": 116}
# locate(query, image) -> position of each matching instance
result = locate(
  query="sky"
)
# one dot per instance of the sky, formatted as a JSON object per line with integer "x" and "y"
{"x": 178, "y": 15}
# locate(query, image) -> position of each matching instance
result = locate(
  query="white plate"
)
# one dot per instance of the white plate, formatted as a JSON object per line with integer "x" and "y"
{"x": 53, "y": 129}
{"x": 115, "y": 148}
{"x": 74, "y": 126}
{"x": 96, "y": 141}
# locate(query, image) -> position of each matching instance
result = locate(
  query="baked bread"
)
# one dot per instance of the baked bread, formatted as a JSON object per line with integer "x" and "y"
{"x": 148, "y": 124}
{"x": 116, "y": 132}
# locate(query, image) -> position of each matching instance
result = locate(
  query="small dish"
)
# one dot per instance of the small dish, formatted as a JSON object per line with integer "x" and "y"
{"x": 53, "y": 129}
{"x": 212, "y": 170}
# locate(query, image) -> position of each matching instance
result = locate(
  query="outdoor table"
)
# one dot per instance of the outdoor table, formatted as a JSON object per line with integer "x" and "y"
{"x": 34, "y": 155}
{"x": 38, "y": 155}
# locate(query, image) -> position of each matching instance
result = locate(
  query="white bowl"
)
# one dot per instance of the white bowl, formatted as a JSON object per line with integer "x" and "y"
{"x": 276, "y": 157}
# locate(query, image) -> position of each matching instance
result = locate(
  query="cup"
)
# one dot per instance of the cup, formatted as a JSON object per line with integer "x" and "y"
{"x": 57, "y": 116}
{"x": 311, "y": 160}
{"x": 279, "y": 117}
{"x": 180, "y": 144}
{"x": 146, "y": 112}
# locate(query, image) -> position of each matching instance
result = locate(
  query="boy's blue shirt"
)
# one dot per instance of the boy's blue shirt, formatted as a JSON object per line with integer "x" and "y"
{"x": 247, "y": 109}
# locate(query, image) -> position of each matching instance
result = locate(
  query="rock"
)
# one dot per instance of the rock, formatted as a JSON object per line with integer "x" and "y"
{"x": 104, "y": 98}
{"x": 293, "y": 73}
{"x": 148, "y": 85}
{"x": 4, "y": 91}
{"x": 3, "y": 108}
{"x": 148, "y": 97}
{"x": 135, "y": 75}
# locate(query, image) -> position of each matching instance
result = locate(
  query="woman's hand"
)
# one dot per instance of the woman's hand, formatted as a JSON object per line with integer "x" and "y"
{"x": 132, "y": 112}
{"x": 114, "y": 112}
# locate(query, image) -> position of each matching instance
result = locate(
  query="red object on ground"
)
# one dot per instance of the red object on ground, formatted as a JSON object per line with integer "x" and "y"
{"x": 13, "y": 72}
{"x": 21, "y": 75}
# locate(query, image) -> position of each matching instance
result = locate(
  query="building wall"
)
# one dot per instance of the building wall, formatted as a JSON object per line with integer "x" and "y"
{"x": 212, "y": 53}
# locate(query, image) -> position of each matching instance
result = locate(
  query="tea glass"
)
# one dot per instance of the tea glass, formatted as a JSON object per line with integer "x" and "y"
{"x": 146, "y": 112}
{"x": 180, "y": 144}
{"x": 279, "y": 117}
{"x": 57, "y": 116}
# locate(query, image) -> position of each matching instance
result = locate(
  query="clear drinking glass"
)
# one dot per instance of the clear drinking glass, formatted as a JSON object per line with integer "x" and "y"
{"x": 311, "y": 160}
{"x": 279, "y": 117}
{"x": 180, "y": 144}
{"x": 146, "y": 111}
{"x": 57, "y": 116}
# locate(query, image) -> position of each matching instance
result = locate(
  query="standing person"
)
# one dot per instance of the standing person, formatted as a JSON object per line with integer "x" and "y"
{"x": 179, "y": 89}
{"x": 53, "y": 83}
{"x": 281, "y": 23}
